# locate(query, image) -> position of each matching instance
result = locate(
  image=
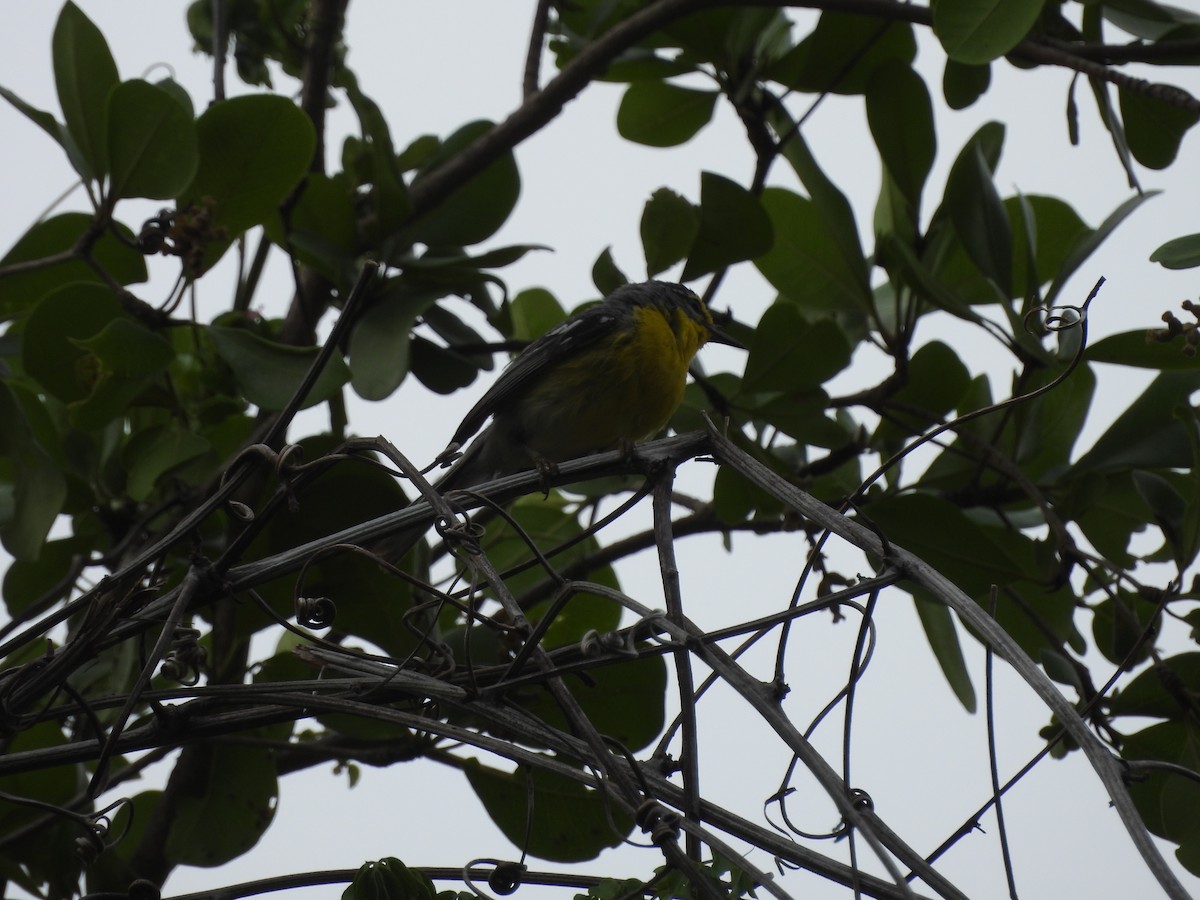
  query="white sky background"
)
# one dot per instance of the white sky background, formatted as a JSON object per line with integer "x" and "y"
{"x": 434, "y": 66}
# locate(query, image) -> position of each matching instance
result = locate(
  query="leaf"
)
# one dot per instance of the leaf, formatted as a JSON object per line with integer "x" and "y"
{"x": 390, "y": 205}
{"x": 978, "y": 31}
{"x": 1087, "y": 244}
{"x": 733, "y": 227}
{"x": 270, "y": 373}
{"x": 253, "y": 151}
{"x": 843, "y": 53}
{"x": 806, "y": 264}
{"x": 1167, "y": 801}
{"x": 389, "y": 879}
{"x": 900, "y": 116}
{"x": 1146, "y": 695}
{"x": 124, "y": 357}
{"x": 19, "y": 293}
{"x": 942, "y": 635}
{"x": 229, "y": 814}
{"x": 84, "y": 74}
{"x": 50, "y": 353}
{"x": 441, "y": 369}
{"x": 151, "y": 143}
{"x": 975, "y": 208}
{"x": 669, "y": 226}
{"x": 474, "y": 211}
{"x": 605, "y": 274}
{"x": 1154, "y": 128}
{"x": 1148, "y": 434}
{"x": 1138, "y": 349}
{"x": 963, "y": 84}
{"x": 379, "y": 344}
{"x": 154, "y": 452}
{"x": 660, "y": 114}
{"x": 534, "y": 311}
{"x": 38, "y": 486}
{"x": 831, "y": 206}
{"x": 936, "y": 381}
{"x": 789, "y": 352}
{"x": 1178, "y": 253}
{"x": 371, "y": 603}
{"x": 40, "y": 117}
{"x": 30, "y": 580}
{"x": 568, "y": 822}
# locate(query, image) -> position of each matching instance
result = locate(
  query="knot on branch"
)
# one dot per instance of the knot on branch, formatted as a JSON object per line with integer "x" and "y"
{"x": 507, "y": 877}
{"x": 656, "y": 820}
{"x": 466, "y": 534}
{"x": 184, "y": 660}
{"x": 315, "y": 612}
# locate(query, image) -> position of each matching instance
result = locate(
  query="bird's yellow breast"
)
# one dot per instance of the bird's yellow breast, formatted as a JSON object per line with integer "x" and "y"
{"x": 619, "y": 391}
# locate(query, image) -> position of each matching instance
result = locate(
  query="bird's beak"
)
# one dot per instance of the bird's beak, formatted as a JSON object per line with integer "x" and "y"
{"x": 718, "y": 334}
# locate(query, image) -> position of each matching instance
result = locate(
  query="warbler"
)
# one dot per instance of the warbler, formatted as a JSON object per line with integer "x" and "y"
{"x": 605, "y": 377}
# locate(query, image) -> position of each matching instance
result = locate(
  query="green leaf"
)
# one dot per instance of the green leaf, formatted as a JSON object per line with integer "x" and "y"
{"x": 154, "y": 452}
{"x": 733, "y": 227}
{"x": 1137, "y": 349}
{"x": 42, "y": 119}
{"x": 28, "y": 580}
{"x": 322, "y": 227}
{"x": 942, "y": 534}
{"x": 900, "y": 116}
{"x": 831, "y": 205}
{"x": 789, "y": 352}
{"x": 534, "y": 311}
{"x": 50, "y": 352}
{"x": 1087, "y": 243}
{"x": 978, "y": 31}
{"x": 659, "y": 114}
{"x": 389, "y": 879}
{"x": 229, "y": 814}
{"x": 1146, "y": 695}
{"x": 568, "y": 822}
{"x": 19, "y": 293}
{"x": 474, "y": 211}
{"x": 936, "y": 381}
{"x": 1154, "y": 128}
{"x": 623, "y": 701}
{"x": 370, "y": 602}
{"x": 975, "y": 208}
{"x": 38, "y": 486}
{"x": 669, "y": 226}
{"x": 1148, "y": 434}
{"x": 84, "y": 74}
{"x": 123, "y": 357}
{"x": 963, "y": 84}
{"x": 270, "y": 373}
{"x": 441, "y": 369}
{"x": 606, "y": 275}
{"x": 1118, "y": 625}
{"x": 806, "y": 264}
{"x": 843, "y": 53}
{"x": 151, "y": 142}
{"x": 942, "y": 634}
{"x": 1178, "y": 253}
{"x": 379, "y": 344}
{"x": 253, "y": 151}
{"x": 1167, "y": 801}
{"x": 389, "y": 201}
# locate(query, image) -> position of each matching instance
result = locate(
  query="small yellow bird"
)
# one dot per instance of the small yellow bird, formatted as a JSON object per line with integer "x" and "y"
{"x": 605, "y": 377}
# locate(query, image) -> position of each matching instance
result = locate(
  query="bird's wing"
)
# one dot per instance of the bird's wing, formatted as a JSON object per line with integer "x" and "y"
{"x": 569, "y": 337}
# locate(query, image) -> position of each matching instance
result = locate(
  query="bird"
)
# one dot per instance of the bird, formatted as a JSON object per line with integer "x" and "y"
{"x": 605, "y": 377}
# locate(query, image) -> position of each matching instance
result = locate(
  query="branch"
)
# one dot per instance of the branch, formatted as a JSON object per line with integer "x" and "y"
{"x": 1108, "y": 767}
